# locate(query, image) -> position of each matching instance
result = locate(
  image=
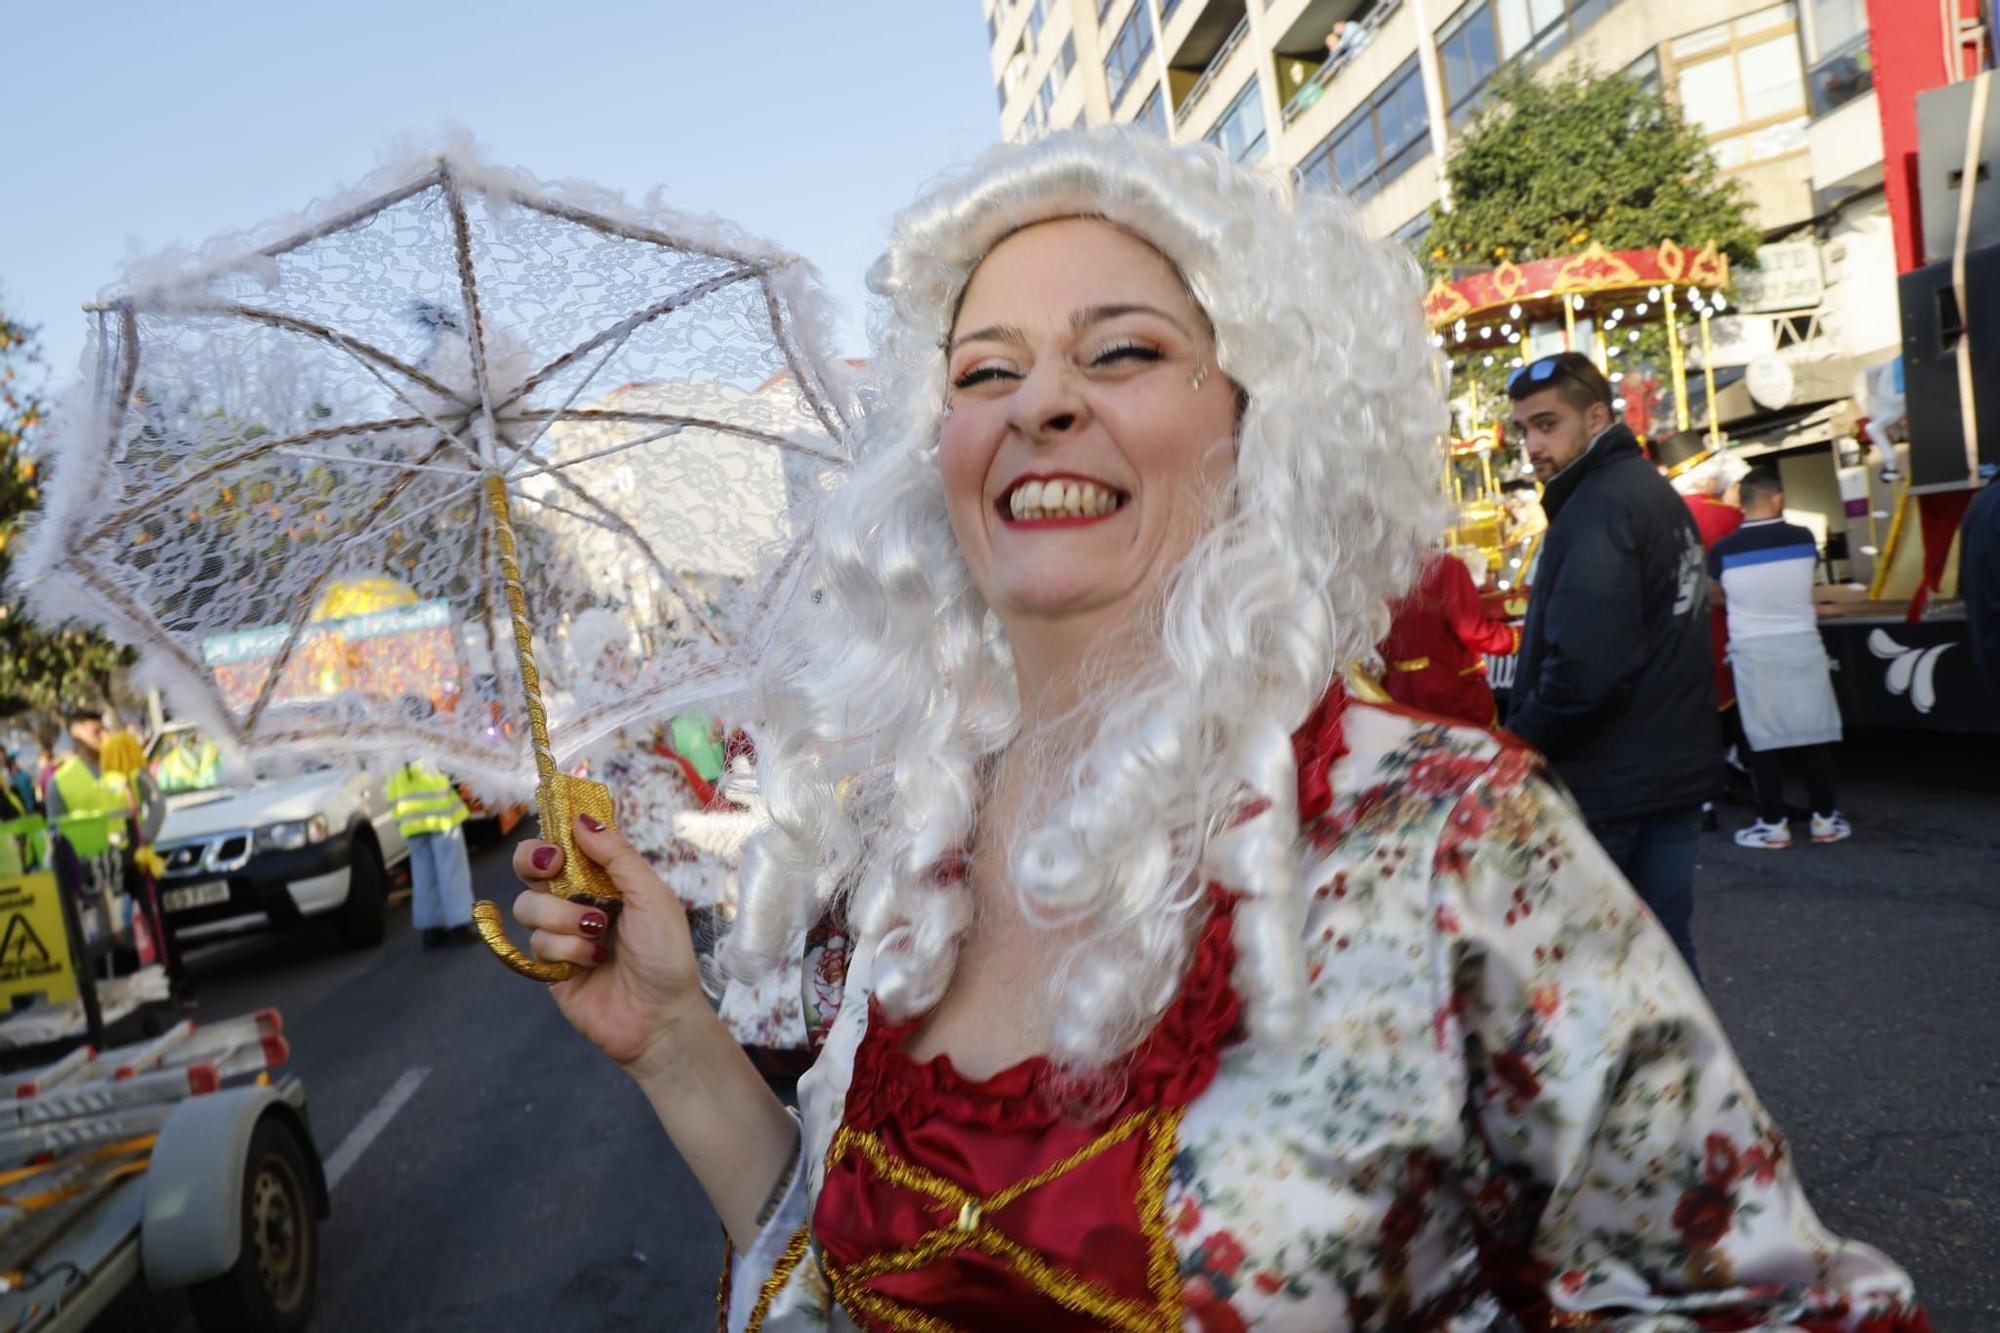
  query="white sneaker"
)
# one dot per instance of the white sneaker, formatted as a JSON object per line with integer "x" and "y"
{"x": 1770, "y": 837}
{"x": 1830, "y": 828}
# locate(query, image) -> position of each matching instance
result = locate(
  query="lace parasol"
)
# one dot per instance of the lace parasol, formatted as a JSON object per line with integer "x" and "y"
{"x": 275, "y": 482}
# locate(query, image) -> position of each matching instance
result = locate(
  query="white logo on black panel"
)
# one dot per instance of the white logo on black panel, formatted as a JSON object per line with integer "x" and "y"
{"x": 1691, "y": 581}
{"x": 1912, "y": 671}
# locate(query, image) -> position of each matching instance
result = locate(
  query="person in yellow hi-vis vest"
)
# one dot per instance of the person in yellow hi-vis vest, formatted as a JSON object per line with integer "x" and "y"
{"x": 432, "y": 819}
{"x": 122, "y": 760}
{"x": 78, "y": 786}
{"x": 193, "y": 764}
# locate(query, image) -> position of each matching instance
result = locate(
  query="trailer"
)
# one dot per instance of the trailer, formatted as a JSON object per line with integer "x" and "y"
{"x": 142, "y": 1150}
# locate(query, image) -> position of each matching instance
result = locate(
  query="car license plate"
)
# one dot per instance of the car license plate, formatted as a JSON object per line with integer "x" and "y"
{"x": 195, "y": 895}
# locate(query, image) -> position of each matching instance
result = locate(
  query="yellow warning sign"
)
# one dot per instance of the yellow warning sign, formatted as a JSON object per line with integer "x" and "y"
{"x": 34, "y": 951}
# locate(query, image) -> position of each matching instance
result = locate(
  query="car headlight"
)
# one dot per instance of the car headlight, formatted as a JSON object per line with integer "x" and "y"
{"x": 291, "y": 834}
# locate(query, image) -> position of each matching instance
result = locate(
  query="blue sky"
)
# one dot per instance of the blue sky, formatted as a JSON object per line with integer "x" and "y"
{"x": 141, "y": 125}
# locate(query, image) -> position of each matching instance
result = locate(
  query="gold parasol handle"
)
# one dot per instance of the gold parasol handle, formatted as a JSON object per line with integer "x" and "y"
{"x": 559, "y": 797}
{"x": 486, "y": 920}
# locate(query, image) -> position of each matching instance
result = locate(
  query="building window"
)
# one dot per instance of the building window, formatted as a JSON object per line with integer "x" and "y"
{"x": 1411, "y": 234}
{"x": 1484, "y": 36}
{"x": 1015, "y": 73}
{"x": 1153, "y": 113}
{"x": 1128, "y": 52}
{"x": 1384, "y": 137}
{"x": 1240, "y": 130}
{"x": 1036, "y": 17}
{"x": 1840, "y": 64}
{"x": 1065, "y": 59}
{"x": 1167, "y": 8}
{"x": 1832, "y": 24}
{"x": 1469, "y": 52}
{"x": 1645, "y": 71}
{"x": 993, "y": 25}
{"x": 1744, "y": 84}
{"x": 1104, "y": 7}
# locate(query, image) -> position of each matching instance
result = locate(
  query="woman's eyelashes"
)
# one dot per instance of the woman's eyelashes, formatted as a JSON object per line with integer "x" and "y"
{"x": 981, "y": 375}
{"x": 1128, "y": 353}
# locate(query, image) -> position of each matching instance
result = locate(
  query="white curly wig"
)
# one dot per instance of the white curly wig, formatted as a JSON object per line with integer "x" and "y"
{"x": 1713, "y": 475}
{"x": 889, "y": 694}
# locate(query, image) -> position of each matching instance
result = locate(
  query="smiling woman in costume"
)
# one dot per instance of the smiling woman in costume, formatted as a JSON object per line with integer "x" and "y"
{"x": 1179, "y": 990}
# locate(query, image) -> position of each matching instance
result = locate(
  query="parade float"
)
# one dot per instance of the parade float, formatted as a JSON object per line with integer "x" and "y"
{"x": 1596, "y": 302}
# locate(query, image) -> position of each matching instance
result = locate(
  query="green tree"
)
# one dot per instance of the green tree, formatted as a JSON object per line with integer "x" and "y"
{"x": 40, "y": 665}
{"x": 1550, "y": 166}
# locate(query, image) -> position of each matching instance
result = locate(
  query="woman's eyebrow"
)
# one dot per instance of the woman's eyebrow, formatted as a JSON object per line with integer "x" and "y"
{"x": 1097, "y": 314}
{"x": 999, "y": 333}
{"x": 1082, "y": 319}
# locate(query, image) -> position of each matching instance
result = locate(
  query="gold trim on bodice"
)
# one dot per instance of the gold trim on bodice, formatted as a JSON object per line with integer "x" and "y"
{"x": 967, "y": 1225}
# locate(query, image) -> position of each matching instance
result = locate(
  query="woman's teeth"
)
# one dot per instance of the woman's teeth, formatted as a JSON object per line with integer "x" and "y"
{"x": 1061, "y": 499}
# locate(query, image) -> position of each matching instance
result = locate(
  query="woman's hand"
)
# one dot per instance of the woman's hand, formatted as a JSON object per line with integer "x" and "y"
{"x": 639, "y": 978}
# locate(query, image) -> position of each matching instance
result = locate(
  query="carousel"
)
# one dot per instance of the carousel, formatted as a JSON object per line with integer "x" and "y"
{"x": 1595, "y": 302}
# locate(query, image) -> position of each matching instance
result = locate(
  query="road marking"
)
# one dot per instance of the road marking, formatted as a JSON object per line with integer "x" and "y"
{"x": 362, "y": 1135}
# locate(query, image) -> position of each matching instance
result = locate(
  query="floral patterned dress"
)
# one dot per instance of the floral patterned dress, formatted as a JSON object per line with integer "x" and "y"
{"x": 693, "y": 835}
{"x": 656, "y": 794}
{"x": 1513, "y": 1110}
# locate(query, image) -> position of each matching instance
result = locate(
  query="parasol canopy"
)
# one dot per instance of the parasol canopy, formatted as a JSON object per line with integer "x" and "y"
{"x": 277, "y": 482}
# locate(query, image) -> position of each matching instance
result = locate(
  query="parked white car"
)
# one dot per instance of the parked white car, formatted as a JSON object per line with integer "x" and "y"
{"x": 276, "y": 851}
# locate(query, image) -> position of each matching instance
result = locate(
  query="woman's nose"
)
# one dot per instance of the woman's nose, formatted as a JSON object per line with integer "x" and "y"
{"x": 1049, "y": 402}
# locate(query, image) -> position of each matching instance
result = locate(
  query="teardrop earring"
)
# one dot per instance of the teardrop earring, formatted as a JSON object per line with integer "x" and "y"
{"x": 1200, "y": 376}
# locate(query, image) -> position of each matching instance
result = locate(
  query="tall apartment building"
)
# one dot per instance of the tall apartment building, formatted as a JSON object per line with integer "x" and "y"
{"x": 1783, "y": 91}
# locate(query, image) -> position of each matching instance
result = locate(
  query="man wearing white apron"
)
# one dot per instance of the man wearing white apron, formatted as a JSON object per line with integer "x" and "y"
{"x": 1764, "y": 574}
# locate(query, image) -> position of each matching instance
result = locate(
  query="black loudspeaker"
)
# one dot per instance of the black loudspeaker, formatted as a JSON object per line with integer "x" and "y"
{"x": 1933, "y": 324}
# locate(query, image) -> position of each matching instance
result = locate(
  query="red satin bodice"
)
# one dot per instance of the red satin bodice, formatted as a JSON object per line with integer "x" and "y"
{"x": 1025, "y": 1200}
{"x": 1019, "y": 1201}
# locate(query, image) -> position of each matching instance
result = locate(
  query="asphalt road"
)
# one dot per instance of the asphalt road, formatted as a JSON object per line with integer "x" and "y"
{"x": 1860, "y": 984}
{"x": 515, "y": 1180}
{"x": 518, "y": 1181}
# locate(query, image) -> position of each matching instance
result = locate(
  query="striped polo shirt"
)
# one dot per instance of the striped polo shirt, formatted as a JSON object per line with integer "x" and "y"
{"x": 1766, "y": 570}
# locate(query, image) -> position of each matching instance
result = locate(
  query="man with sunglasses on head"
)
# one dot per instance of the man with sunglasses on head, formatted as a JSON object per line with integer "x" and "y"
{"x": 1613, "y": 682}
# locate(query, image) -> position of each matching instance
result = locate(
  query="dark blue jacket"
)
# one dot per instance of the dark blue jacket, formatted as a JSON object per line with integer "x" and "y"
{"x": 1614, "y": 682}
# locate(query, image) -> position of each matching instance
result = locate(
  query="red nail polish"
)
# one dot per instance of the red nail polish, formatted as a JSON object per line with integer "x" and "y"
{"x": 544, "y": 857}
{"x": 593, "y": 924}
{"x": 603, "y": 952}
{"x": 591, "y": 822}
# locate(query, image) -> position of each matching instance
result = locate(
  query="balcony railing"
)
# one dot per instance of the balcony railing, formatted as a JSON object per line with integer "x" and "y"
{"x": 1315, "y": 85}
{"x": 1201, "y": 85}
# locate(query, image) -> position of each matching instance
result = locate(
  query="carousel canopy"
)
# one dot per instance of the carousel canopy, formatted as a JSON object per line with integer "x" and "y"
{"x": 1538, "y": 289}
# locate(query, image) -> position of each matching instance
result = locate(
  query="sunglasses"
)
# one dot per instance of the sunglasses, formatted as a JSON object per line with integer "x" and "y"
{"x": 1536, "y": 373}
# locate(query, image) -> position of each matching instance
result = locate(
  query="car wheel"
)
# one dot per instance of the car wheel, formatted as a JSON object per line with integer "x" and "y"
{"x": 361, "y": 922}
{"x": 271, "y": 1286}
